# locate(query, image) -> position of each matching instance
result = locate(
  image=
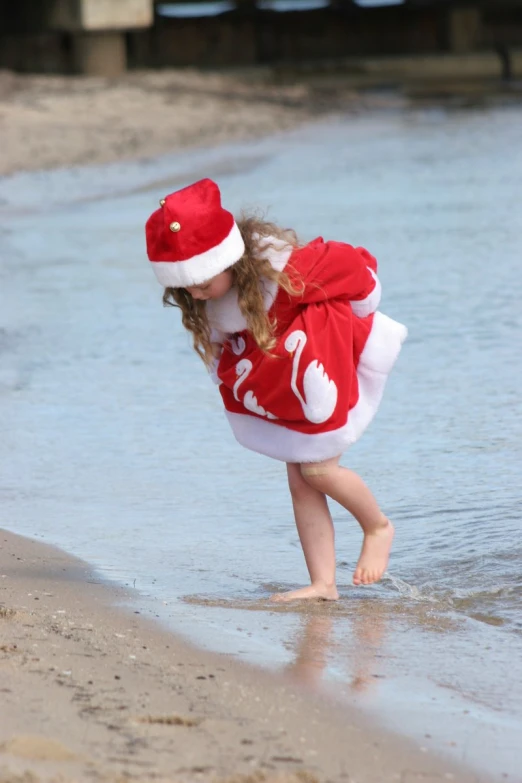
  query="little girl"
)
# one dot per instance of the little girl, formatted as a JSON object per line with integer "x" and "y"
{"x": 291, "y": 335}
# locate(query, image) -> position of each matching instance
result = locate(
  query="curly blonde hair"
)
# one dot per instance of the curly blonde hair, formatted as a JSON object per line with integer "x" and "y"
{"x": 248, "y": 273}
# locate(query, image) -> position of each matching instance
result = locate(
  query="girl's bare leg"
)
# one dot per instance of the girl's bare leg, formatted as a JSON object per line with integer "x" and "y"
{"x": 348, "y": 489}
{"x": 316, "y": 533}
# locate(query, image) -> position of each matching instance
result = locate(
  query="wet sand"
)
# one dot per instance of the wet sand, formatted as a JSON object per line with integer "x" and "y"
{"x": 94, "y": 692}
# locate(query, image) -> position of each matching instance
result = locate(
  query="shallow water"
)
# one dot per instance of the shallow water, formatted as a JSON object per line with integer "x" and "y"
{"x": 114, "y": 446}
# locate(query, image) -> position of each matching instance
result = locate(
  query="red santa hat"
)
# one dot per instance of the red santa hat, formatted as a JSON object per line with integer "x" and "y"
{"x": 191, "y": 238}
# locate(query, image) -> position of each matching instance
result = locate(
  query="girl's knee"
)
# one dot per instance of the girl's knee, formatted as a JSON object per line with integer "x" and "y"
{"x": 317, "y": 474}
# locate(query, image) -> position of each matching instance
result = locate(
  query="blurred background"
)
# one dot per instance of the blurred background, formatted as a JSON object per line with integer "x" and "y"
{"x": 106, "y": 37}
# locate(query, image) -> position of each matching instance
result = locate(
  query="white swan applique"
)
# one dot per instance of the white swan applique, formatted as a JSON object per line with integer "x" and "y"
{"x": 320, "y": 393}
{"x": 243, "y": 370}
{"x": 237, "y": 344}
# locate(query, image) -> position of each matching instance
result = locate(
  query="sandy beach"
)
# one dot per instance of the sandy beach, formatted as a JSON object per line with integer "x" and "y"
{"x": 91, "y": 692}
{"x": 50, "y": 121}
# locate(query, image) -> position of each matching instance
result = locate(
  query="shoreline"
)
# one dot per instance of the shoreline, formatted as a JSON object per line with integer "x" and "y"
{"x": 92, "y": 691}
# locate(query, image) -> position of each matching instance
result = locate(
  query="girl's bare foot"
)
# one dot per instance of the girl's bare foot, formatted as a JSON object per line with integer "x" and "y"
{"x": 318, "y": 590}
{"x": 374, "y": 556}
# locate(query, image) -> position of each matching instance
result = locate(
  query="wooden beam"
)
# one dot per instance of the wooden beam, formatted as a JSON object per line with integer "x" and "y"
{"x": 100, "y": 54}
{"x": 464, "y": 29}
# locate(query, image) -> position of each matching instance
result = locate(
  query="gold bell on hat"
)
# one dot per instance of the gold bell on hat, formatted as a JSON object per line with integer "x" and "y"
{"x": 175, "y": 226}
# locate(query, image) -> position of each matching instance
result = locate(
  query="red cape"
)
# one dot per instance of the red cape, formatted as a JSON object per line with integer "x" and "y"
{"x": 321, "y": 385}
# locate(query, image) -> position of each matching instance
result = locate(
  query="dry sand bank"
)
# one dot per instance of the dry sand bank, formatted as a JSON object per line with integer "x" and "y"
{"x": 90, "y": 692}
{"x": 50, "y": 121}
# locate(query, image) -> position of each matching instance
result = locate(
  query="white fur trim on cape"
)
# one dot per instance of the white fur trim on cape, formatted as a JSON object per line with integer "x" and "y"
{"x": 201, "y": 268}
{"x": 364, "y": 307}
{"x": 224, "y": 314}
{"x": 212, "y": 371}
{"x": 377, "y": 359}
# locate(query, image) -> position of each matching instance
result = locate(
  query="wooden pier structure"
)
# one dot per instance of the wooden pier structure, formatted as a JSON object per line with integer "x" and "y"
{"x": 105, "y": 37}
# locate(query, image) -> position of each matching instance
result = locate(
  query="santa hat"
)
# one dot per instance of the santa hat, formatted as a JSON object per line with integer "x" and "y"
{"x": 191, "y": 238}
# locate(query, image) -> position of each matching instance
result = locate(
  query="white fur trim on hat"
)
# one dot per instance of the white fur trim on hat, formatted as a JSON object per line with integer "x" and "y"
{"x": 201, "y": 268}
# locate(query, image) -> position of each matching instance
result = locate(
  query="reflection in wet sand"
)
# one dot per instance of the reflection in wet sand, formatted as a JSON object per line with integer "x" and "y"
{"x": 311, "y": 647}
{"x": 318, "y": 640}
{"x": 354, "y": 603}
{"x": 346, "y": 638}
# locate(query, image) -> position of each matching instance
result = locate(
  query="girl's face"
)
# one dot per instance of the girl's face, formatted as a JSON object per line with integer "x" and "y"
{"x": 214, "y": 288}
